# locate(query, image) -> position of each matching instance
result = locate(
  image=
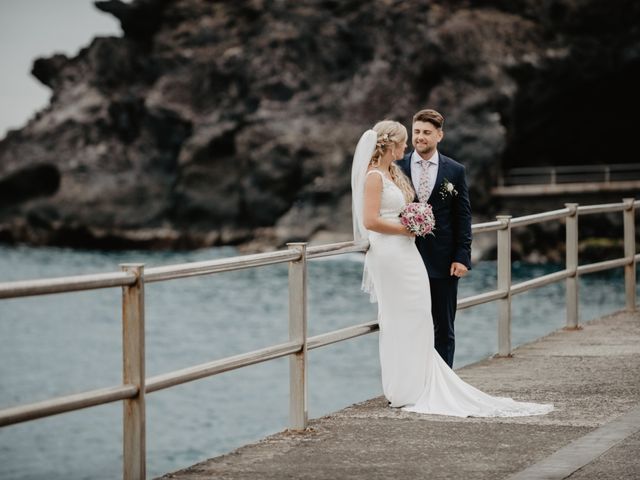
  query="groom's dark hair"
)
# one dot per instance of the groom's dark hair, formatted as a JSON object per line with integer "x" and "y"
{"x": 431, "y": 116}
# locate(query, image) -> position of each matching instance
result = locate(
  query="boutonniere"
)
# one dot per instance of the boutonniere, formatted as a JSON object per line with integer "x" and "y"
{"x": 447, "y": 189}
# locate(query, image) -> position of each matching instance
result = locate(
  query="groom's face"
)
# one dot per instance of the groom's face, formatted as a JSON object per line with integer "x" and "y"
{"x": 425, "y": 137}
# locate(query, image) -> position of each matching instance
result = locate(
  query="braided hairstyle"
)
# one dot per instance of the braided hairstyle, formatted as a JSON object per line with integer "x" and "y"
{"x": 392, "y": 135}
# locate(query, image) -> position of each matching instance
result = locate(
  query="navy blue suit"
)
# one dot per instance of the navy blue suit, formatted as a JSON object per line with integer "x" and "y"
{"x": 450, "y": 243}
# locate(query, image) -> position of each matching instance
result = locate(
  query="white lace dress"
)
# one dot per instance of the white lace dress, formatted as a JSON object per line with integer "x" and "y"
{"x": 414, "y": 376}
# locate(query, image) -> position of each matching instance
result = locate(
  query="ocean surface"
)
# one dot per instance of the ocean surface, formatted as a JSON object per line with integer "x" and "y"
{"x": 61, "y": 344}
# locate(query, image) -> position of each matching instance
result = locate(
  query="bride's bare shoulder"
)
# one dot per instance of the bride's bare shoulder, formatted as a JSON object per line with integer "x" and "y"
{"x": 374, "y": 180}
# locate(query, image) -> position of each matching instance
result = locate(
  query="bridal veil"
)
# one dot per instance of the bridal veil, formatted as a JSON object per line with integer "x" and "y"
{"x": 361, "y": 157}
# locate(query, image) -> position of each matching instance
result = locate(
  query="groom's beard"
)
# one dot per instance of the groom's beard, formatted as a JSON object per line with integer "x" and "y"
{"x": 424, "y": 150}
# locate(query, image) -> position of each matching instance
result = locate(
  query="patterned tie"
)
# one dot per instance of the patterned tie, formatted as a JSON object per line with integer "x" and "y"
{"x": 423, "y": 186}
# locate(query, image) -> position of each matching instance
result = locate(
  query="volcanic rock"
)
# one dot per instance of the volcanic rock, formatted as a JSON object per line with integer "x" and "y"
{"x": 213, "y": 123}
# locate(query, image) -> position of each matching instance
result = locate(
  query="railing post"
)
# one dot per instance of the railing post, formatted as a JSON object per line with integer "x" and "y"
{"x": 630, "y": 252}
{"x": 554, "y": 177}
{"x": 504, "y": 284}
{"x": 133, "y": 368}
{"x": 571, "y": 264}
{"x": 298, "y": 333}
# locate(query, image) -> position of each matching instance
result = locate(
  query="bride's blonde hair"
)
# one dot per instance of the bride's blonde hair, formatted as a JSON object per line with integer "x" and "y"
{"x": 391, "y": 135}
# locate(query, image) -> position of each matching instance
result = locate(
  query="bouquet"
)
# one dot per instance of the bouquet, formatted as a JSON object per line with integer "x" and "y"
{"x": 418, "y": 218}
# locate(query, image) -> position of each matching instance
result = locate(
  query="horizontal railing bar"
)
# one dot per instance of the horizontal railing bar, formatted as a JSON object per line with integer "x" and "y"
{"x": 336, "y": 249}
{"x": 605, "y": 265}
{"x": 25, "y": 288}
{"x": 517, "y": 288}
{"x": 183, "y": 270}
{"x": 171, "y": 379}
{"x": 342, "y": 334}
{"x": 481, "y": 298}
{"x": 532, "y": 189}
{"x": 588, "y": 177}
{"x": 539, "y": 217}
{"x": 77, "y": 401}
{"x": 154, "y": 274}
{"x": 488, "y": 226}
{"x": 603, "y": 208}
{"x": 614, "y": 167}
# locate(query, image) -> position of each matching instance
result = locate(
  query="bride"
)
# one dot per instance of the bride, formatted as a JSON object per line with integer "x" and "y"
{"x": 414, "y": 376}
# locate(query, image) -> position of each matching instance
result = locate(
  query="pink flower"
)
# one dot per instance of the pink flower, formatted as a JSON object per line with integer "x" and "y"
{"x": 418, "y": 218}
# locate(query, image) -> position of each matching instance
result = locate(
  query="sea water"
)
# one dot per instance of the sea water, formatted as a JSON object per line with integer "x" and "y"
{"x": 56, "y": 345}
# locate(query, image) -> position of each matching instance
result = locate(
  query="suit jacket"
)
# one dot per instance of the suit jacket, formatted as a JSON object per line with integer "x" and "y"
{"x": 451, "y": 241}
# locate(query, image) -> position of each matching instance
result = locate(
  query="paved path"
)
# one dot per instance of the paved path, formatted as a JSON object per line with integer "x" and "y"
{"x": 591, "y": 375}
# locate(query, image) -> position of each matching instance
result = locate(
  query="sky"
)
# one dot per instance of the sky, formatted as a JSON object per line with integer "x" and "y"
{"x": 39, "y": 28}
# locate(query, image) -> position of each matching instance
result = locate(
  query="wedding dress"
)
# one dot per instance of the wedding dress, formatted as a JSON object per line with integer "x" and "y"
{"x": 414, "y": 376}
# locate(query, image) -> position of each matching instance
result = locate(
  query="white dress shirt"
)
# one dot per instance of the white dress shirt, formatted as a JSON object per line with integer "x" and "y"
{"x": 416, "y": 170}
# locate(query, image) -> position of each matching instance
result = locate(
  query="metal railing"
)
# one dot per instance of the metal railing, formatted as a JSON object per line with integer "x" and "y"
{"x": 570, "y": 174}
{"x": 133, "y": 277}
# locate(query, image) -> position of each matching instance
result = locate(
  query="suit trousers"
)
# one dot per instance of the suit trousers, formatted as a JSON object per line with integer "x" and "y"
{"x": 444, "y": 298}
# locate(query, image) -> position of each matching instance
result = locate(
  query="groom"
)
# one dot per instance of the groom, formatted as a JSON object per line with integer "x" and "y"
{"x": 440, "y": 181}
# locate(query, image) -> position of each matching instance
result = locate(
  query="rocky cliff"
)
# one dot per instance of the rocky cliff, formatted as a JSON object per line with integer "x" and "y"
{"x": 221, "y": 122}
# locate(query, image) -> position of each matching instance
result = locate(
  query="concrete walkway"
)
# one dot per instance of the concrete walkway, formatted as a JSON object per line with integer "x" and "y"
{"x": 591, "y": 375}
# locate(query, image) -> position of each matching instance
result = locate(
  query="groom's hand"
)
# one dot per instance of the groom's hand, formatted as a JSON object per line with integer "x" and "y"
{"x": 458, "y": 270}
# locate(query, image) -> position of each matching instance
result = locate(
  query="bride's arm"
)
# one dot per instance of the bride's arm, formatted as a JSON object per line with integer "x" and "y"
{"x": 371, "y": 215}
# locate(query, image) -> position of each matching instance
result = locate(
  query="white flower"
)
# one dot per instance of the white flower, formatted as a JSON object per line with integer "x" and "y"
{"x": 447, "y": 189}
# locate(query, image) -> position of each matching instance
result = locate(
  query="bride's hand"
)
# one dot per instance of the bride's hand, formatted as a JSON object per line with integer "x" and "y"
{"x": 407, "y": 232}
